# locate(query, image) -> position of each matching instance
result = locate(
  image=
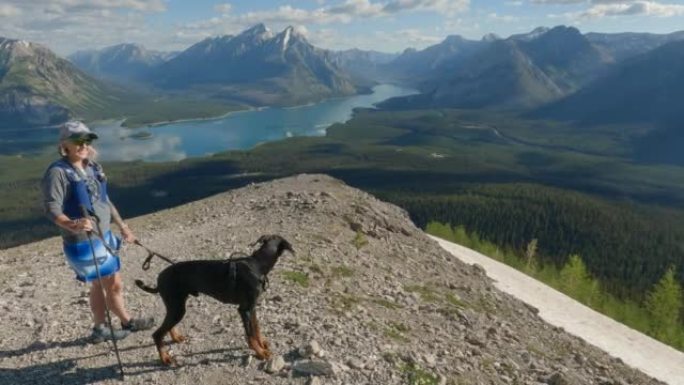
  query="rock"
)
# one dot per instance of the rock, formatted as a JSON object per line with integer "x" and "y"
{"x": 316, "y": 368}
{"x": 309, "y": 350}
{"x": 475, "y": 340}
{"x": 275, "y": 364}
{"x": 355, "y": 363}
{"x": 430, "y": 360}
{"x": 557, "y": 378}
{"x": 247, "y": 360}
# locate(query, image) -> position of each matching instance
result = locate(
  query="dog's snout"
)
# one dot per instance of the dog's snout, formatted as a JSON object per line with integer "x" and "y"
{"x": 288, "y": 247}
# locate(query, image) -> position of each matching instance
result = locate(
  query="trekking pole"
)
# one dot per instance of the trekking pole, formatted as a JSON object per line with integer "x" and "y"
{"x": 84, "y": 212}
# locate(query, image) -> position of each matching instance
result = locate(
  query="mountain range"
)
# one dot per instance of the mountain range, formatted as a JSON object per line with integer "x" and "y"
{"x": 364, "y": 67}
{"x": 122, "y": 62}
{"x": 522, "y": 71}
{"x": 550, "y": 69}
{"x": 257, "y": 66}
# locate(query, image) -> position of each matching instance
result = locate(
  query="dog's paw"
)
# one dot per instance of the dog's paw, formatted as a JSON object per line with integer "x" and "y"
{"x": 262, "y": 354}
{"x": 265, "y": 344}
{"x": 167, "y": 359}
{"x": 265, "y": 354}
{"x": 176, "y": 336}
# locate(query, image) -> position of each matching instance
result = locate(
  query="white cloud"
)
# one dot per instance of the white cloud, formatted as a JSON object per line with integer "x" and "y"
{"x": 223, "y": 8}
{"x": 78, "y": 5}
{"x": 7, "y": 10}
{"x": 502, "y": 18}
{"x": 64, "y": 25}
{"x": 362, "y": 8}
{"x": 450, "y": 7}
{"x": 558, "y": 1}
{"x": 605, "y": 8}
{"x": 646, "y": 8}
{"x": 348, "y": 11}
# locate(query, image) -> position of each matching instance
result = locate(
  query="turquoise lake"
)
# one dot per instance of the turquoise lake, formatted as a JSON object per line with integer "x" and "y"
{"x": 195, "y": 138}
{"x": 236, "y": 131}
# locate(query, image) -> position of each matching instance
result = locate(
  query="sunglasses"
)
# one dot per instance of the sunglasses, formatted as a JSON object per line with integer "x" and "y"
{"x": 81, "y": 141}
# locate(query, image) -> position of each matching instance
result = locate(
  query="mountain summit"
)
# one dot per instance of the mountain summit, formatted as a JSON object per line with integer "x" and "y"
{"x": 257, "y": 66}
{"x": 368, "y": 298}
{"x": 39, "y": 88}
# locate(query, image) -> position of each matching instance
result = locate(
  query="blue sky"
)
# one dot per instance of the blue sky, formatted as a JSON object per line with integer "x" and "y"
{"x": 384, "y": 25}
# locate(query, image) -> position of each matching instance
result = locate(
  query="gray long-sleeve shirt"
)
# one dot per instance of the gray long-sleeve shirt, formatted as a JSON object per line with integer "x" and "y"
{"x": 56, "y": 189}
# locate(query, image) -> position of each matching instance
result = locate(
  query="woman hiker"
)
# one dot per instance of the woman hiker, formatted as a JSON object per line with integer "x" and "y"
{"x": 77, "y": 181}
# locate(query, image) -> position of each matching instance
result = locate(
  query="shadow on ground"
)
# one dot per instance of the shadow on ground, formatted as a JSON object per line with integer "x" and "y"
{"x": 68, "y": 370}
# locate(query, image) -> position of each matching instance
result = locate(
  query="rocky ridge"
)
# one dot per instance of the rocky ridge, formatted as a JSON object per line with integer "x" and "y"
{"x": 368, "y": 299}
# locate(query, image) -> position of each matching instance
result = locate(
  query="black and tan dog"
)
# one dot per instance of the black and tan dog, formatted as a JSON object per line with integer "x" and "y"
{"x": 237, "y": 281}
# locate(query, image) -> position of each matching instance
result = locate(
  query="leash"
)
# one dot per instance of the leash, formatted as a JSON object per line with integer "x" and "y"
{"x": 151, "y": 254}
{"x": 104, "y": 294}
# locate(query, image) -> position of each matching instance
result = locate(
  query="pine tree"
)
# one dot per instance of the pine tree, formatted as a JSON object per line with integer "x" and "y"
{"x": 575, "y": 280}
{"x": 530, "y": 254}
{"x": 440, "y": 230}
{"x": 664, "y": 304}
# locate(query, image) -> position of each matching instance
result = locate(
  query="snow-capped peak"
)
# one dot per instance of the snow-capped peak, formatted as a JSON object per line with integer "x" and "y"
{"x": 286, "y": 39}
{"x": 259, "y": 31}
{"x": 531, "y": 35}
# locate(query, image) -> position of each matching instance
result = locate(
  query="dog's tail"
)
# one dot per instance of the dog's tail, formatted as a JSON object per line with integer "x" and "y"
{"x": 146, "y": 288}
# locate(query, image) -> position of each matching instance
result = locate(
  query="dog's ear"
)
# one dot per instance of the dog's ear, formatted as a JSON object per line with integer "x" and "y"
{"x": 262, "y": 239}
{"x": 285, "y": 245}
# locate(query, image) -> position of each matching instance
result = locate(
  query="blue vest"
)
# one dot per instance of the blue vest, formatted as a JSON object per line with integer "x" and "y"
{"x": 78, "y": 193}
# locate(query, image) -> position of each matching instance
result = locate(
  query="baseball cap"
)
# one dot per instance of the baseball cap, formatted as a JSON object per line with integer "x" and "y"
{"x": 75, "y": 130}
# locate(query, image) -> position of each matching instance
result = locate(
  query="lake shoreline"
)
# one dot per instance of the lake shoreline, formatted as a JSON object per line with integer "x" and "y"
{"x": 366, "y": 91}
{"x": 185, "y": 120}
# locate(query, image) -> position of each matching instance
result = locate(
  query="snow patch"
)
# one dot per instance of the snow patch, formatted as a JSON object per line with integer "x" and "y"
{"x": 286, "y": 39}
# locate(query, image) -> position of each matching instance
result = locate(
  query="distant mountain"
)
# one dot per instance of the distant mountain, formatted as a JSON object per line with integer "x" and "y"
{"x": 567, "y": 57}
{"x": 648, "y": 90}
{"x": 39, "y": 88}
{"x": 123, "y": 62}
{"x": 625, "y": 45}
{"x": 365, "y": 67}
{"x": 529, "y": 36}
{"x": 257, "y": 66}
{"x": 415, "y": 67}
{"x": 522, "y": 71}
{"x": 503, "y": 76}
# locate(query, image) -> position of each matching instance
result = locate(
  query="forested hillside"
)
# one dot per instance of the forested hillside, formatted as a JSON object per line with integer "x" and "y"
{"x": 627, "y": 247}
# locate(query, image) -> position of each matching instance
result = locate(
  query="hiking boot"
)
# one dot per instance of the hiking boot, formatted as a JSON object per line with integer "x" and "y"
{"x": 138, "y": 324}
{"x": 102, "y": 332}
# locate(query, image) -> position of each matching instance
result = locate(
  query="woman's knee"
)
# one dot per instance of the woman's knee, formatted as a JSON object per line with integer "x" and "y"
{"x": 113, "y": 284}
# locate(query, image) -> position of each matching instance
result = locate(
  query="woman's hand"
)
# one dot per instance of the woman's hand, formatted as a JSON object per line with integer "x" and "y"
{"x": 127, "y": 234}
{"x": 80, "y": 225}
